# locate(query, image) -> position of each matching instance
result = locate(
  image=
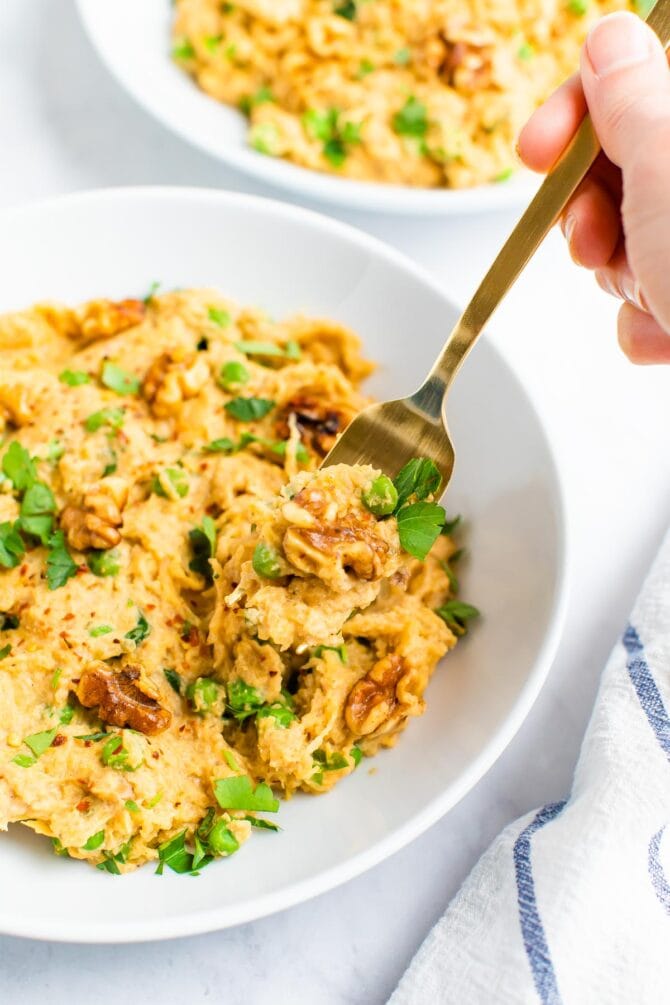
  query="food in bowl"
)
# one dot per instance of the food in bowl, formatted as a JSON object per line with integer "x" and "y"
{"x": 194, "y": 614}
{"x": 430, "y": 93}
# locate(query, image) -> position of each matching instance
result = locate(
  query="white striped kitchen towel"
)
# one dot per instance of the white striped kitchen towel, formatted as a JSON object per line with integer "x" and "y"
{"x": 571, "y": 904}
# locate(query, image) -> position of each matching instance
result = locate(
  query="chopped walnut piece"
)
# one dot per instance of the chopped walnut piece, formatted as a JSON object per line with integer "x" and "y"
{"x": 317, "y": 422}
{"x": 173, "y": 377}
{"x": 103, "y": 318}
{"x": 123, "y": 698}
{"x": 466, "y": 66}
{"x": 372, "y": 699}
{"x": 94, "y": 523}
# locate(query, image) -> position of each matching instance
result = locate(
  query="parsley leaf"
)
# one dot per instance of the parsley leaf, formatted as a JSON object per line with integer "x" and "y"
{"x": 11, "y": 545}
{"x": 419, "y": 477}
{"x": 346, "y": 10}
{"x": 233, "y": 375}
{"x": 60, "y": 564}
{"x": 112, "y": 417}
{"x": 5, "y": 651}
{"x": 176, "y": 477}
{"x": 174, "y": 854}
{"x": 141, "y": 631}
{"x": 99, "y": 630}
{"x": 412, "y": 119}
{"x": 39, "y": 742}
{"x": 37, "y": 506}
{"x": 249, "y": 409}
{"x": 243, "y": 699}
{"x": 419, "y": 527}
{"x": 203, "y": 544}
{"x": 250, "y": 348}
{"x": 74, "y": 378}
{"x": 173, "y": 679}
{"x": 457, "y": 614}
{"x": 238, "y": 793}
{"x": 222, "y": 446}
{"x": 18, "y": 466}
{"x": 119, "y": 380}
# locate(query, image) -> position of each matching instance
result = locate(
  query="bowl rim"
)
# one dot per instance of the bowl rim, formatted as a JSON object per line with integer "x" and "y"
{"x": 322, "y": 187}
{"x": 217, "y": 919}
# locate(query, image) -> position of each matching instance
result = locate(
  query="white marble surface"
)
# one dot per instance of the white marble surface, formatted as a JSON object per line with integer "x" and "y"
{"x": 65, "y": 125}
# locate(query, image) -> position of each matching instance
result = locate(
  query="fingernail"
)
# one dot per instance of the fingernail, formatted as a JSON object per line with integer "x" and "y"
{"x": 632, "y": 292}
{"x": 568, "y": 228}
{"x": 618, "y": 41}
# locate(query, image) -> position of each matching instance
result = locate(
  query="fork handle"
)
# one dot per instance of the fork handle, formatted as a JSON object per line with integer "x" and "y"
{"x": 545, "y": 208}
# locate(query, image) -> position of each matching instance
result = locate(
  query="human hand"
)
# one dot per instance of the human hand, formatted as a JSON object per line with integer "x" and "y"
{"x": 618, "y": 221}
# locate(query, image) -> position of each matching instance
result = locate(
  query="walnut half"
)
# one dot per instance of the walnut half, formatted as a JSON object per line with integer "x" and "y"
{"x": 372, "y": 700}
{"x": 173, "y": 377}
{"x": 94, "y": 523}
{"x": 122, "y": 698}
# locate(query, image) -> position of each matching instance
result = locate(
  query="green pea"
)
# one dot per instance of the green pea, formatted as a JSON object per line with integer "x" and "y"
{"x": 233, "y": 375}
{"x": 382, "y": 496}
{"x": 266, "y": 561}
{"x": 203, "y": 693}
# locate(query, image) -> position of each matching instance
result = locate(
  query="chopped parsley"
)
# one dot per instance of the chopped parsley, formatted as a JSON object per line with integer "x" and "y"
{"x": 19, "y": 466}
{"x": 243, "y": 699}
{"x": 203, "y": 544}
{"x": 238, "y": 793}
{"x": 456, "y": 614}
{"x": 74, "y": 378}
{"x": 174, "y": 855}
{"x": 365, "y": 67}
{"x": 94, "y": 841}
{"x": 402, "y": 57}
{"x": 55, "y": 451}
{"x": 112, "y": 417}
{"x": 224, "y": 445}
{"x": 119, "y": 380}
{"x": 8, "y": 621}
{"x": 578, "y": 7}
{"x": 141, "y": 631}
{"x": 12, "y": 547}
{"x": 218, "y": 316}
{"x": 36, "y": 514}
{"x": 412, "y": 119}
{"x": 173, "y": 679}
{"x": 100, "y": 630}
{"x": 419, "y": 526}
{"x": 346, "y": 10}
{"x": 267, "y": 825}
{"x": 183, "y": 50}
{"x": 340, "y": 650}
{"x": 5, "y": 651}
{"x": 60, "y": 564}
{"x": 249, "y": 409}
{"x": 148, "y": 297}
{"x": 37, "y": 743}
{"x": 420, "y": 478}
{"x": 337, "y": 136}
{"x": 103, "y": 563}
{"x": 131, "y": 806}
{"x": 250, "y": 348}
{"x": 176, "y": 477}
{"x": 261, "y": 97}
{"x": 66, "y": 715}
{"x": 336, "y": 762}
{"x": 280, "y": 711}
{"x": 451, "y": 525}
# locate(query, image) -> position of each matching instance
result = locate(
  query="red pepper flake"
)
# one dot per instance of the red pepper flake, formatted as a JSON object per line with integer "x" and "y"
{"x": 23, "y": 570}
{"x": 75, "y": 680}
{"x": 155, "y": 755}
{"x": 81, "y": 569}
{"x": 88, "y": 743}
{"x": 58, "y": 740}
{"x": 182, "y": 728}
{"x": 68, "y": 617}
{"x": 84, "y": 806}
{"x": 150, "y": 607}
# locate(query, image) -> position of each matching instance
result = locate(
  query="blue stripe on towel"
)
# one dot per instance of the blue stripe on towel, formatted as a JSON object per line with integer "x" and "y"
{"x": 646, "y": 690}
{"x": 532, "y": 929}
{"x": 658, "y": 877}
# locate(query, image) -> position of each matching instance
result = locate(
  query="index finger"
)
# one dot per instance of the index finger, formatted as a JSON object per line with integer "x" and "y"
{"x": 549, "y": 130}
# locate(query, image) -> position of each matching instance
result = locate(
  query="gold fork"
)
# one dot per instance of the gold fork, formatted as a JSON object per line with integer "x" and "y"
{"x": 389, "y": 434}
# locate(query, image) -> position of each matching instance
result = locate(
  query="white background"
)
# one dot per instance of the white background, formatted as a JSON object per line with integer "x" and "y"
{"x": 65, "y": 125}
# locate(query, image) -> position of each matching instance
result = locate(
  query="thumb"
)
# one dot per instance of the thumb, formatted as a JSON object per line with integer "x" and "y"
{"x": 626, "y": 82}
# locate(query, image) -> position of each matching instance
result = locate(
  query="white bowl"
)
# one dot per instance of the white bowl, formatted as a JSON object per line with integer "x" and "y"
{"x": 286, "y": 259}
{"x": 133, "y": 39}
